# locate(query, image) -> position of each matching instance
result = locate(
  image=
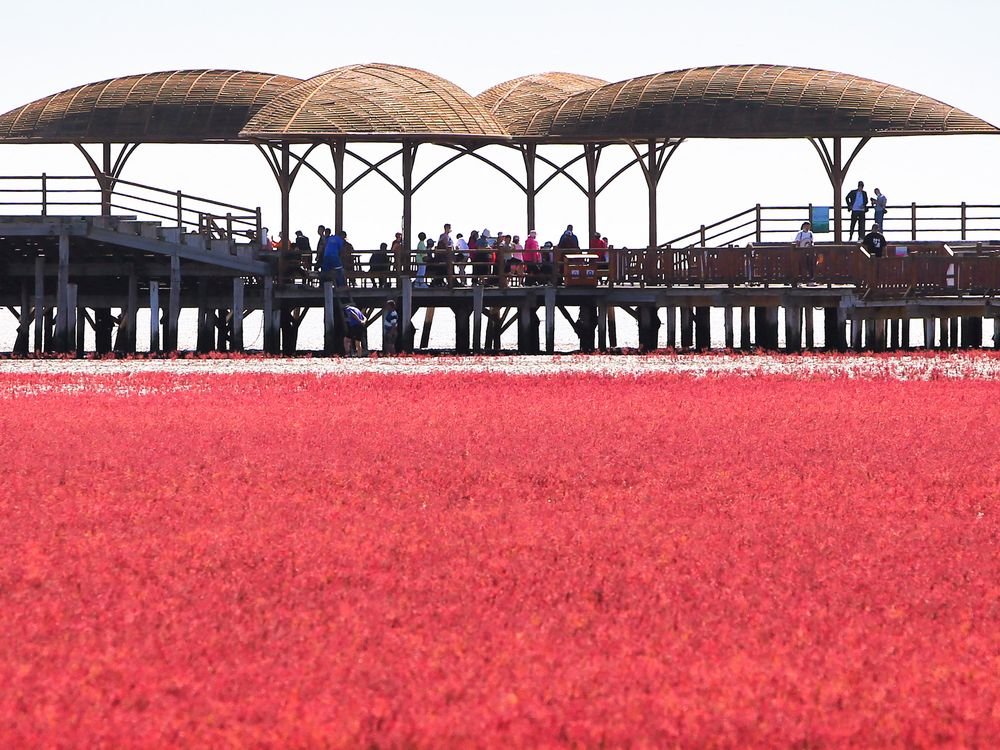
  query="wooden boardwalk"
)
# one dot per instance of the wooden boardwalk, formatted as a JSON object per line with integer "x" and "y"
{"x": 64, "y": 275}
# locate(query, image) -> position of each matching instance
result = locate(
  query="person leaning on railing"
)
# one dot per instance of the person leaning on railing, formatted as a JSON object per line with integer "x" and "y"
{"x": 805, "y": 236}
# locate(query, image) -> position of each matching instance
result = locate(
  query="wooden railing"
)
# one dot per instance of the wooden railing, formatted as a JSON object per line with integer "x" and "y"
{"x": 914, "y": 222}
{"x": 928, "y": 268}
{"x": 52, "y": 195}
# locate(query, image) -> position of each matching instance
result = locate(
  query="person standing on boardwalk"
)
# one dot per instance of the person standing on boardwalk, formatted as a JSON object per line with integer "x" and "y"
{"x": 805, "y": 236}
{"x": 875, "y": 242}
{"x": 332, "y": 264}
{"x": 880, "y": 202}
{"x": 857, "y": 204}
{"x": 390, "y": 327}
{"x": 568, "y": 241}
{"x": 422, "y": 256}
{"x": 320, "y": 245}
{"x": 355, "y": 334}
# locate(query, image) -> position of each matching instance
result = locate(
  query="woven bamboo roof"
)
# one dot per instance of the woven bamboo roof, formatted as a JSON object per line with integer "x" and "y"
{"x": 179, "y": 106}
{"x": 375, "y": 101}
{"x": 513, "y": 103}
{"x": 748, "y": 101}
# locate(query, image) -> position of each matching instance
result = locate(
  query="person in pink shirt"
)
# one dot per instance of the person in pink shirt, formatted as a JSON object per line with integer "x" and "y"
{"x": 532, "y": 255}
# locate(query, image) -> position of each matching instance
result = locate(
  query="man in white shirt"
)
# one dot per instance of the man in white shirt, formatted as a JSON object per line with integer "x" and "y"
{"x": 857, "y": 204}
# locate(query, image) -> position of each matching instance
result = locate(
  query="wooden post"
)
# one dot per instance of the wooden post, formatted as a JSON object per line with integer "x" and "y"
{"x": 703, "y": 329}
{"x": 71, "y": 315}
{"x": 929, "y": 333}
{"x": 154, "y": 316}
{"x": 204, "y": 334}
{"x": 856, "y": 326}
{"x": 687, "y": 339}
{"x": 529, "y": 152}
{"x": 612, "y": 327}
{"x": 425, "y": 333}
{"x": 730, "y": 333}
{"x": 745, "y": 342}
{"x": 652, "y": 182}
{"x": 592, "y": 156}
{"x": 477, "y": 318}
{"x": 793, "y": 328}
{"x": 173, "y": 304}
{"x": 671, "y": 327}
{"x": 953, "y": 326}
{"x": 461, "y": 311}
{"x": 602, "y": 326}
{"x": 585, "y": 327}
{"x": 39, "y": 303}
{"x": 239, "y": 289}
{"x": 771, "y": 317}
{"x": 550, "y": 320}
{"x": 329, "y": 320}
{"x": 272, "y": 343}
{"x": 409, "y": 153}
{"x": 23, "y": 320}
{"x": 132, "y": 312}
{"x": 904, "y": 336}
{"x": 339, "y": 149}
{"x": 62, "y": 296}
{"x": 838, "y": 189}
{"x": 810, "y": 316}
{"x": 407, "y": 314}
{"x": 913, "y": 222}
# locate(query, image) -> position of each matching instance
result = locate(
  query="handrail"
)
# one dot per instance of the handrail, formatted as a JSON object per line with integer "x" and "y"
{"x": 184, "y": 210}
{"x": 912, "y": 220}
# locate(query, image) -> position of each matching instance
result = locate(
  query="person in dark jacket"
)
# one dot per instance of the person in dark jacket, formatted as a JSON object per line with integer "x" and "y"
{"x": 875, "y": 242}
{"x": 857, "y": 204}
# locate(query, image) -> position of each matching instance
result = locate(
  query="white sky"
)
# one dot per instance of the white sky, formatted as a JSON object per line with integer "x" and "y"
{"x": 944, "y": 50}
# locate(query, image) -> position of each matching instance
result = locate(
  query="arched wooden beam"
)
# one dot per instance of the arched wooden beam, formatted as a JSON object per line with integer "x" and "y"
{"x": 301, "y": 161}
{"x": 824, "y": 156}
{"x": 123, "y": 156}
{"x": 470, "y": 151}
{"x": 561, "y": 170}
{"x": 373, "y": 167}
{"x": 271, "y": 160}
{"x": 451, "y": 160}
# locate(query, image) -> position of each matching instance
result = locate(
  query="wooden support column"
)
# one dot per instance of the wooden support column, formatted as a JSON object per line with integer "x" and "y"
{"x": 793, "y": 328}
{"x": 132, "y": 311}
{"x": 462, "y": 312}
{"x": 106, "y": 181}
{"x": 929, "y": 333}
{"x": 62, "y": 296}
{"x": 810, "y": 317}
{"x": 285, "y": 184}
{"x": 173, "y": 304}
{"x": 339, "y": 149}
{"x": 329, "y": 320}
{"x": 39, "y": 303}
{"x": 856, "y": 326}
{"x": 550, "y": 320}
{"x": 746, "y": 344}
{"x": 771, "y": 317}
{"x": 425, "y": 332}
{"x": 729, "y": 333}
{"x": 945, "y": 329}
{"x": 221, "y": 329}
{"x": 653, "y": 173}
{"x": 612, "y": 327}
{"x": 409, "y": 154}
{"x": 671, "y": 327}
{"x": 154, "y": 316}
{"x": 904, "y": 334}
{"x": 477, "y": 318}
{"x": 272, "y": 334}
{"x": 602, "y": 326}
{"x": 529, "y": 152}
{"x": 104, "y": 328}
{"x": 72, "y": 291}
{"x": 953, "y": 327}
{"x": 406, "y": 315}
{"x": 760, "y": 337}
{"x": 586, "y": 327}
{"x": 687, "y": 324}
{"x": 703, "y": 329}
{"x": 23, "y": 320}
{"x": 592, "y": 155}
{"x": 236, "y": 342}
{"x": 837, "y": 180}
{"x": 204, "y": 340}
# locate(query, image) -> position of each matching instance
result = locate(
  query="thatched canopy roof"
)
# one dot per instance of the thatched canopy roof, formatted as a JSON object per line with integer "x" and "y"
{"x": 375, "y": 101}
{"x": 515, "y": 102}
{"x": 748, "y": 101}
{"x": 179, "y": 106}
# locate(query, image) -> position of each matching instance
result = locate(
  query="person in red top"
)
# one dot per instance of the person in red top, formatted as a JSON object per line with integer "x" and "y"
{"x": 532, "y": 256}
{"x": 600, "y": 248}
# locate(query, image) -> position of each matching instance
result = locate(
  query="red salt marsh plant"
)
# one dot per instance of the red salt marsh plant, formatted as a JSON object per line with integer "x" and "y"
{"x": 488, "y": 560}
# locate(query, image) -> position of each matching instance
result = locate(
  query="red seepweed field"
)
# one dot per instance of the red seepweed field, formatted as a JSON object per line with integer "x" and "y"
{"x": 452, "y": 559}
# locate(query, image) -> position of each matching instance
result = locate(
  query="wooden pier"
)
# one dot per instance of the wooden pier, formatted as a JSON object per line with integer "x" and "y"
{"x": 61, "y": 277}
